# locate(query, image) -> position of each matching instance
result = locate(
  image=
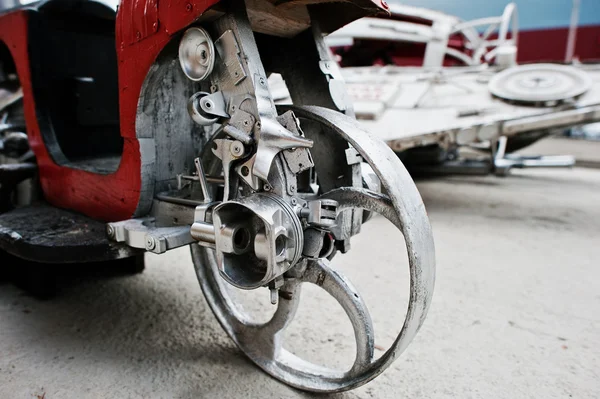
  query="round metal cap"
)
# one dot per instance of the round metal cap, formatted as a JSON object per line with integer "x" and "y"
{"x": 196, "y": 54}
{"x": 540, "y": 83}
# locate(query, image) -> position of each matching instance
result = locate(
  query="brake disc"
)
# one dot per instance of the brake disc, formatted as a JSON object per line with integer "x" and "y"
{"x": 263, "y": 342}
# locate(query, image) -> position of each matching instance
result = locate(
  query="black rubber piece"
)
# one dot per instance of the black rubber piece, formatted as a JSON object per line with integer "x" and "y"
{"x": 45, "y": 234}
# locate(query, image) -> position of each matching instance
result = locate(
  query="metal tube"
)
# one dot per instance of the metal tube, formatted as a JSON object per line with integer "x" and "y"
{"x": 237, "y": 134}
{"x": 571, "y": 39}
{"x": 202, "y": 178}
{"x": 203, "y": 232}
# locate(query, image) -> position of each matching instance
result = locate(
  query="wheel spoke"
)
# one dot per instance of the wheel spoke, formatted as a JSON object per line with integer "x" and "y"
{"x": 356, "y": 197}
{"x": 339, "y": 287}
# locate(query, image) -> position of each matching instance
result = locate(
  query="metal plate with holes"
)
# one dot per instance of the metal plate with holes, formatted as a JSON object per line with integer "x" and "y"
{"x": 540, "y": 83}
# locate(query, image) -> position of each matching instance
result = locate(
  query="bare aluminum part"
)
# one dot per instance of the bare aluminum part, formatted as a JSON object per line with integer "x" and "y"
{"x": 241, "y": 77}
{"x": 273, "y": 139}
{"x": 240, "y": 126}
{"x": 370, "y": 177}
{"x": 227, "y": 151}
{"x": 10, "y": 98}
{"x": 230, "y": 52}
{"x": 200, "y": 176}
{"x": 337, "y": 86}
{"x": 314, "y": 241}
{"x": 257, "y": 238}
{"x": 196, "y": 112}
{"x": 333, "y": 74}
{"x": 297, "y": 159}
{"x": 214, "y": 104}
{"x": 143, "y": 233}
{"x": 404, "y": 207}
{"x": 14, "y": 144}
{"x": 540, "y": 83}
{"x": 320, "y": 213}
{"x": 196, "y": 54}
{"x": 237, "y": 134}
{"x": 504, "y": 162}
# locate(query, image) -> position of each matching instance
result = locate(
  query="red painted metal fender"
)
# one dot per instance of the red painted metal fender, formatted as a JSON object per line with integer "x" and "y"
{"x": 143, "y": 29}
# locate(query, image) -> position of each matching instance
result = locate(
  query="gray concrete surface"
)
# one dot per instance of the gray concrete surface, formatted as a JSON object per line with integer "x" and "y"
{"x": 516, "y": 313}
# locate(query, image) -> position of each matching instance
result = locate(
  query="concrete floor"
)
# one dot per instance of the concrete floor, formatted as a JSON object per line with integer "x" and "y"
{"x": 516, "y": 312}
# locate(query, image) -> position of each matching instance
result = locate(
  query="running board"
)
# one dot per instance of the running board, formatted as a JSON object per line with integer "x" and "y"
{"x": 43, "y": 233}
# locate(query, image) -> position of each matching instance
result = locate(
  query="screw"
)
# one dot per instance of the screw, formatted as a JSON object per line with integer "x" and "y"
{"x": 213, "y": 89}
{"x": 267, "y": 187}
{"x": 189, "y": 7}
{"x": 292, "y": 188}
{"x": 150, "y": 243}
{"x": 262, "y": 81}
{"x": 237, "y": 149}
{"x": 294, "y": 201}
{"x": 110, "y": 231}
{"x": 384, "y": 4}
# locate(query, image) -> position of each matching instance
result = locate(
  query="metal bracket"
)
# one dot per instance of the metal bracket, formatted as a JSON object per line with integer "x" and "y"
{"x": 142, "y": 233}
{"x": 504, "y": 162}
{"x": 229, "y": 51}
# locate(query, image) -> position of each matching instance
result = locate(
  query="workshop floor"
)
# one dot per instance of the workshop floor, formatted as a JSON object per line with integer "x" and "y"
{"x": 516, "y": 312}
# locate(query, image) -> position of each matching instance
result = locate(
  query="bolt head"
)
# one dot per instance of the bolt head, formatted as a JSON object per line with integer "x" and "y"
{"x": 237, "y": 149}
{"x": 110, "y": 231}
{"x": 150, "y": 243}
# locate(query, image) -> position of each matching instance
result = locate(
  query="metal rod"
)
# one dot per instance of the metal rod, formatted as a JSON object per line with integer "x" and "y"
{"x": 237, "y": 134}
{"x": 571, "y": 39}
{"x": 202, "y": 178}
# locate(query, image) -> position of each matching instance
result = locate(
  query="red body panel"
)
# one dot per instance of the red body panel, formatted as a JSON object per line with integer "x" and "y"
{"x": 545, "y": 45}
{"x": 143, "y": 28}
{"x": 114, "y": 196}
{"x": 551, "y": 44}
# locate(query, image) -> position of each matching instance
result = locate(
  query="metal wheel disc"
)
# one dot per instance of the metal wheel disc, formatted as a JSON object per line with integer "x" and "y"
{"x": 196, "y": 54}
{"x": 540, "y": 83}
{"x": 263, "y": 343}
